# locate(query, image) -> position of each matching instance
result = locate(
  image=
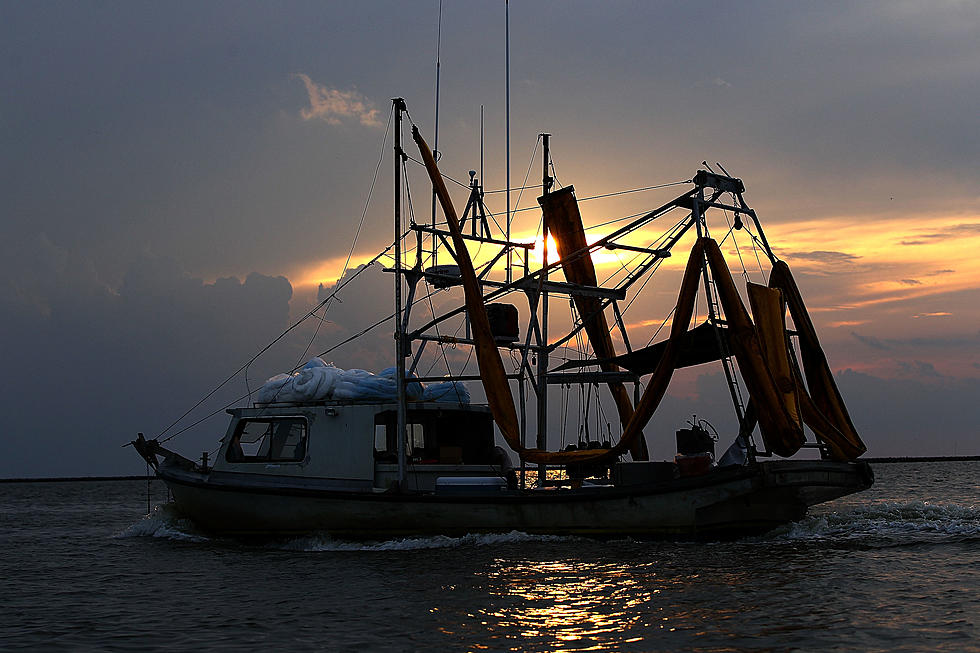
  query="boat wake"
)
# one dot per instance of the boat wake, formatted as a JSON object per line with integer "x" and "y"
{"x": 888, "y": 524}
{"x": 326, "y": 543}
{"x": 879, "y": 525}
{"x": 164, "y": 521}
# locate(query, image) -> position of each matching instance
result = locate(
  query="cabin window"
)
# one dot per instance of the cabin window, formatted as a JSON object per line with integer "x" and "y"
{"x": 271, "y": 439}
{"x": 386, "y": 445}
{"x": 380, "y": 438}
{"x": 416, "y": 437}
{"x": 437, "y": 436}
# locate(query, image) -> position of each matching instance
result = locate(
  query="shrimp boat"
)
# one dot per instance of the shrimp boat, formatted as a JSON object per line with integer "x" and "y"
{"x": 391, "y": 461}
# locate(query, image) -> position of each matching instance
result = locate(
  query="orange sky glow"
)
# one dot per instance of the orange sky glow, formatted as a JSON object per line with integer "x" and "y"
{"x": 879, "y": 274}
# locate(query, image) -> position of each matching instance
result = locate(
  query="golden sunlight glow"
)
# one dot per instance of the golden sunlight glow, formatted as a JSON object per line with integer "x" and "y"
{"x": 891, "y": 276}
{"x": 605, "y": 260}
{"x": 601, "y": 257}
{"x": 883, "y": 261}
{"x": 326, "y": 271}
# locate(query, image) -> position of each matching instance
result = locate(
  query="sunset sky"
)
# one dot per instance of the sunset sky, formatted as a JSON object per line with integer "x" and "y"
{"x": 179, "y": 178}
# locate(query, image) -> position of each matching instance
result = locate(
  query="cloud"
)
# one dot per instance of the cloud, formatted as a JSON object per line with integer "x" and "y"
{"x": 953, "y": 231}
{"x": 910, "y": 282}
{"x": 870, "y": 341}
{"x": 362, "y": 303}
{"x": 822, "y": 256}
{"x": 964, "y": 342}
{"x": 918, "y": 369}
{"x": 334, "y": 105}
{"x": 844, "y": 323}
{"x": 121, "y": 358}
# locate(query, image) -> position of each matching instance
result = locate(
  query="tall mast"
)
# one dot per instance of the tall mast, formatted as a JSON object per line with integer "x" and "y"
{"x": 435, "y": 152}
{"x": 542, "y": 442}
{"x": 510, "y": 257}
{"x": 399, "y": 106}
{"x": 482, "y": 178}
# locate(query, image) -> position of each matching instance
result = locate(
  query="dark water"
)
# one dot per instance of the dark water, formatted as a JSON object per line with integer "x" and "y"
{"x": 893, "y": 569}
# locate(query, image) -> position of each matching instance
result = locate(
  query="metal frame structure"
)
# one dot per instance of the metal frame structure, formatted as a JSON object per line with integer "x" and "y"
{"x": 707, "y": 190}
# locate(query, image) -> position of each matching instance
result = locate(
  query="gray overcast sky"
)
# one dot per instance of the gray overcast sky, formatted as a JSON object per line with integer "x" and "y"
{"x": 178, "y": 177}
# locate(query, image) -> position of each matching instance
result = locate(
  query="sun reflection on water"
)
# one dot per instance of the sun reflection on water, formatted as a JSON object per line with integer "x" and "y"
{"x": 577, "y": 605}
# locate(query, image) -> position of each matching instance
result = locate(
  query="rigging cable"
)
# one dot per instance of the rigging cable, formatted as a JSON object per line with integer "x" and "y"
{"x": 756, "y": 245}
{"x": 262, "y": 351}
{"x": 523, "y": 186}
{"x": 324, "y": 353}
{"x": 615, "y": 220}
{"x": 313, "y": 312}
{"x": 357, "y": 232}
{"x": 622, "y": 192}
{"x": 656, "y": 266}
{"x": 738, "y": 250}
{"x": 635, "y": 190}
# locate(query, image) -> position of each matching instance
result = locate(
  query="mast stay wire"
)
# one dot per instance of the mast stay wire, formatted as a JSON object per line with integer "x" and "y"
{"x": 429, "y": 290}
{"x": 738, "y": 250}
{"x": 622, "y": 192}
{"x": 323, "y": 353}
{"x": 646, "y": 256}
{"x": 580, "y": 199}
{"x": 756, "y": 245}
{"x": 656, "y": 266}
{"x": 554, "y": 171}
{"x": 323, "y": 304}
{"x": 521, "y": 194}
{"x": 357, "y": 233}
{"x": 309, "y": 314}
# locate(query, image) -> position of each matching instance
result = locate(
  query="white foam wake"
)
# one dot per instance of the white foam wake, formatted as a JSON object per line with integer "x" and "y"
{"x": 164, "y": 522}
{"x": 888, "y": 519}
{"x": 326, "y": 543}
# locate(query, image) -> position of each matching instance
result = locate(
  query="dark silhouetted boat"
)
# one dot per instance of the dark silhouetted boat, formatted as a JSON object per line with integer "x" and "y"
{"x": 389, "y": 463}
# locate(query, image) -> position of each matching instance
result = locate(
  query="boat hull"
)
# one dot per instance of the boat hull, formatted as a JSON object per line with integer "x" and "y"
{"x": 723, "y": 503}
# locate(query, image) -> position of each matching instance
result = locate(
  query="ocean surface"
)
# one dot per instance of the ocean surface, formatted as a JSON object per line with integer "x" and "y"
{"x": 896, "y": 568}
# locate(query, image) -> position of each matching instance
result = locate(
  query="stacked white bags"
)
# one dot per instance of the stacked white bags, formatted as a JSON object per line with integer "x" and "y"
{"x": 319, "y": 381}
